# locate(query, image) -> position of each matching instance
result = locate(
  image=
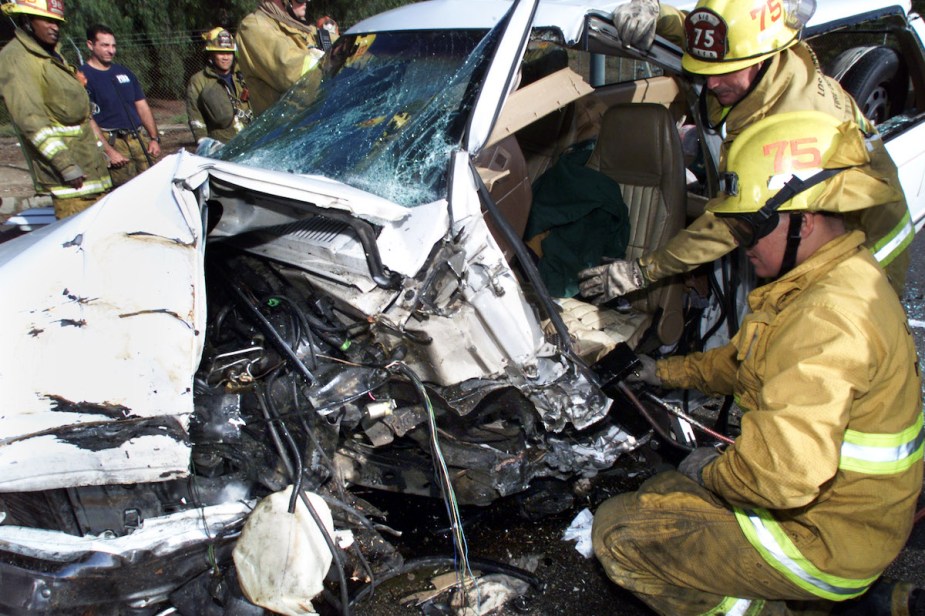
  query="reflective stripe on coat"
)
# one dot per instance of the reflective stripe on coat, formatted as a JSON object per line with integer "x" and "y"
{"x": 51, "y": 112}
{"x": 828, "y": 467}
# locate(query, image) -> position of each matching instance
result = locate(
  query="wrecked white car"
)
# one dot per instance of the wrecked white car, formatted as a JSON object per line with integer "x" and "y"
{"x": 353, "y": 293}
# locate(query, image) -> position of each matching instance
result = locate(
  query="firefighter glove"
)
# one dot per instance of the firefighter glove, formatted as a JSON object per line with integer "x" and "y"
{"x": 644, "y": 372}
{"x": 635, "y": 22}
{"x": 605, "y": 282}
{"x": 692, "y": 466}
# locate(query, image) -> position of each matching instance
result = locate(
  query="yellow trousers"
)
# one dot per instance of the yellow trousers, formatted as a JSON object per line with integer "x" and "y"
{"x": 69, "y": 207}
{"x": 134, "y": 150}
{"x": 678, "y": 547}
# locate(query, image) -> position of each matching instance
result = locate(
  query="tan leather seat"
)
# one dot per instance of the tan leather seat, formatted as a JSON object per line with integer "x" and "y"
{"x": 640, "y": 148}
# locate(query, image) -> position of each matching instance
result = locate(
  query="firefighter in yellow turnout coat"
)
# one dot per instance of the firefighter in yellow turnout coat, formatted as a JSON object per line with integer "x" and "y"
{"x": 51, "y": 110}
{"x": 275, "y": 49}
{"x": 817, "y": 494}
{"x": 755, "y": 67}
{"x": 217, "y": 99}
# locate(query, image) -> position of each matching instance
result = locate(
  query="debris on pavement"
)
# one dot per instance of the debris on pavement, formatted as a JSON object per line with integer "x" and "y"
{"x": 579, "y": 531}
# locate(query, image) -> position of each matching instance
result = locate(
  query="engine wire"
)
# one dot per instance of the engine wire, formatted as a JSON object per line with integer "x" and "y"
{"x": 338, "y": 485}
{"x": 267, "y": 406}
{"x": 460, "y": 545}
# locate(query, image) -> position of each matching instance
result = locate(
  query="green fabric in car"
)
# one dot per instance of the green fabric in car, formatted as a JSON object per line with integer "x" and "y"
{"x": 585, "y": 215}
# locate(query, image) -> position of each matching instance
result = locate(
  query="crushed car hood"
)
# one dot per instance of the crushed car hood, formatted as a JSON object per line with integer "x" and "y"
{"x": 110, "y": 289}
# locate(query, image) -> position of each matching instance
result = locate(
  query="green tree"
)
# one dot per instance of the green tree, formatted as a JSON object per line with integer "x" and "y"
{"x": 160, "y": 40}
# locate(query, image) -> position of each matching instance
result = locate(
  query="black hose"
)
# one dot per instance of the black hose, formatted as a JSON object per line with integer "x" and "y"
{"x": 264, "y": 324}
{"x": 731, "y": 279}
{"x": 274, "y": 435}
{"x": 300, "y": 316}
{"x": 297, "y": 473}
{"x": 335, "y": 554}
{"x": 483, "y": 564}
{"x": 722, "y": 419}
{"x": 723, "y": 307}
{"x": 338, "y": 486}
{"x": 313, "y": 320}
{"x": 626, "y": 391}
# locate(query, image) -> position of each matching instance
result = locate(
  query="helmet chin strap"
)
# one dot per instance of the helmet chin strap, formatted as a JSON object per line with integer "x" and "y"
{"x": 793, "y": 243}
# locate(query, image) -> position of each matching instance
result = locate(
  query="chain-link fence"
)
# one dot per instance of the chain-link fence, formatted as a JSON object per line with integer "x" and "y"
{"x": 163, "y": 63}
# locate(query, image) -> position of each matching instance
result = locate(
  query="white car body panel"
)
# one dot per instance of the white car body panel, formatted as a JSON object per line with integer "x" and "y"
{"x": 906, "y": 151}
{"x": 162, "y": 535}
{"x": 322, "y": 191}
{"x": 404, "y": 231}
{"x": 99, "y": 297}
{"x": 501, "y": 77}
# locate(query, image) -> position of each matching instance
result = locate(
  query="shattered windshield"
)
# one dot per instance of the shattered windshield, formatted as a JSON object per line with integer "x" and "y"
{"x": 382, "y": 114}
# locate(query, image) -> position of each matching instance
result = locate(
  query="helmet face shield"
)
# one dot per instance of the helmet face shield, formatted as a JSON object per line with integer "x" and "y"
{"x": 748, "y": 229}
{"x": 799, "y": 12}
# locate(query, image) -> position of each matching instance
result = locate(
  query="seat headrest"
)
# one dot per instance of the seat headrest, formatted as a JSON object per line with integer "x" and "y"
{"x": 637, "y": 144}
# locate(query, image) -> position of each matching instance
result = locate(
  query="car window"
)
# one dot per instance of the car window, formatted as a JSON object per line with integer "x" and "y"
{"x": 616, "y": 70}
{"x": 382, "y": 114}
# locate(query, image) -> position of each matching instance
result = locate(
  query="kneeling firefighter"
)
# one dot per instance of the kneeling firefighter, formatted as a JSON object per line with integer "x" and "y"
{"x": 817, "y": 494}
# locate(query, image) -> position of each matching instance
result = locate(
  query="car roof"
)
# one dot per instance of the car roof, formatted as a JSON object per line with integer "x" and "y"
{"x": 566, "y": 15}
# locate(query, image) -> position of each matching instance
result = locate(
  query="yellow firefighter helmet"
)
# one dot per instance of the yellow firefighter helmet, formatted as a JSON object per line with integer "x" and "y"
{"x": 49, "y": 9}
{"x": 790, "y": 148}
{"x": 723, "y": 36}
{"x": 220, "y": 39}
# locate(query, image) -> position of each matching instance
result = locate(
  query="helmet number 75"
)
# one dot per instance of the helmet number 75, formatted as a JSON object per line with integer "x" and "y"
{"x": 798, "y": 154}
{"x": 703, "y": 38}
{"x": 772, "y": 9}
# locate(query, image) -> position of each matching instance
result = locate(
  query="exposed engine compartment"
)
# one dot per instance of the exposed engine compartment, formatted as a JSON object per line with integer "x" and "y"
{"x": 295, "y": 388}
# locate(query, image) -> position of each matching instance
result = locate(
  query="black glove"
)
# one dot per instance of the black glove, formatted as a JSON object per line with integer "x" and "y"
{"x": 692, "y": 466}
{"x": 644, "y": 372}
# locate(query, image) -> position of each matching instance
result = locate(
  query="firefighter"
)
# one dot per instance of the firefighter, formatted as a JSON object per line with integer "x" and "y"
{"x": 754, "y": 65}
{"x": 50, "y": 110}
{"x": 276, "y": 47}
{"x": 817, "y": 494}
{"x": 217, "y": 99}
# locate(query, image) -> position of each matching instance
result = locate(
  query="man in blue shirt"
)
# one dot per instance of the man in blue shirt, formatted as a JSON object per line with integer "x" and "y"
{"x": 119, "y": 109}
